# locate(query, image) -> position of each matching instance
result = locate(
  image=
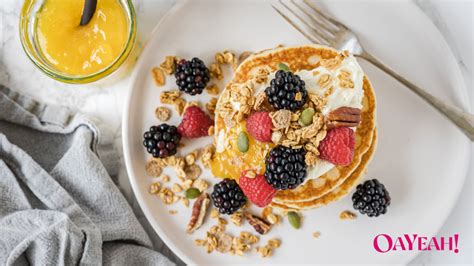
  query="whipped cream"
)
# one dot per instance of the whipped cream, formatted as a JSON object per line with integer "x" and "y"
{"x": 339, "y": 97}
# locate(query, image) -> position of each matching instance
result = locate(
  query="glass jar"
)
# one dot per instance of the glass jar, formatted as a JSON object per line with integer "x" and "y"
{"x": 29, "y": 39}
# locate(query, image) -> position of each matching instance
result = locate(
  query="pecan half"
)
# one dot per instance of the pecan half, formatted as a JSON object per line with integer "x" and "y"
{"x": 260, "y": 225}
{"x": 199, "y": 212}
{"x": 343, "y": 117}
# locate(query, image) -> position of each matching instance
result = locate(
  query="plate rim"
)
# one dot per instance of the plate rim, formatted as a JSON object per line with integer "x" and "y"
{"x": 126, "y": 116}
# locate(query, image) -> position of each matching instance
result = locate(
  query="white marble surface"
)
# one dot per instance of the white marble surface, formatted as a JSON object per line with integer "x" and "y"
{"x": 453, "y": 18}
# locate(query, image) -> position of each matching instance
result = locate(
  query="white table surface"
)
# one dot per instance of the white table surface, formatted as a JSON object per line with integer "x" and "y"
{"x": 453, "y": 18}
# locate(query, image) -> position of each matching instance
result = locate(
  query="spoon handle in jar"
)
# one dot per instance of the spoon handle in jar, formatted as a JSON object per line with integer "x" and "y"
{"x": 88, "y": 11}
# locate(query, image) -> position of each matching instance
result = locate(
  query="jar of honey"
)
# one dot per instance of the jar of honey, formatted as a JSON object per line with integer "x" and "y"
{"x": 54, "y": 40}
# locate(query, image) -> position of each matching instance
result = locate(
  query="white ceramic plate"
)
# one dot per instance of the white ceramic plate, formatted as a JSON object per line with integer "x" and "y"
{"x": 421, "y": 157}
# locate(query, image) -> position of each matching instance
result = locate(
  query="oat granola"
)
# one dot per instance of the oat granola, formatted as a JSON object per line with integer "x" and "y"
{"x": 168, "y": 65}
{"x": 347, "y": 215}
{"x": 153, "y": 168}
{"x": 216, "y": 71}
{"x": 169, "y": 97}
{"x": 213, "y": 89}
{"x": 158, "y": 76}
{"x": 163, "y": 113}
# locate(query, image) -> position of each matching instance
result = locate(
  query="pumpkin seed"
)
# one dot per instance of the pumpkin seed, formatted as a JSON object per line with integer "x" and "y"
{"x": 283, "y": 66}
{"x": 306, "y": 117}
{"x": 192, "y": 193}
{"x": 243, "y": 142}
{"x": 294, "y": 219}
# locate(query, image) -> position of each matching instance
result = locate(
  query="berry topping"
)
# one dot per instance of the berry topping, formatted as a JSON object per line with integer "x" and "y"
{"x": 259, "y": 125}
{"x": 256, "y": 188}
{"x": 227, "y": 196}
{"x": 285, "y": 167}
{"x": 338, "y": 146}
{"x": 161, "y": 141}
{"x": 195, "y": 123}
{"x": 371, "y": 198}
{"x": 191, "y": 76}
{"x": 286, "y": 91}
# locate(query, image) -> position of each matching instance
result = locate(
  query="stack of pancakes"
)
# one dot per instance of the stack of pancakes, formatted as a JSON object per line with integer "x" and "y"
{"x": 338, "y": 182}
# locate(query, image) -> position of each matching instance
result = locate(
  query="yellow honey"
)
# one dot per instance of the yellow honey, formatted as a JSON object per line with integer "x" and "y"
{"x": 231, "y": 162}
{"x": 81, "y": 50}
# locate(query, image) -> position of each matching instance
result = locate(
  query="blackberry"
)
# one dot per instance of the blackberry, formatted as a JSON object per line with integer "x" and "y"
{"x": 371, "y": 198}
{"x": 161, "y": 141}
{"x": 285, "y": 167}
{"x": 191, "y": 76}
{"x": 227, "y": 196}
{"x": 284, "y": 89}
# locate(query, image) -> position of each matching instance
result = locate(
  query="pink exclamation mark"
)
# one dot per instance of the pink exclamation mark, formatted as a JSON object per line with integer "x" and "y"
{"x": 456, "y": 238}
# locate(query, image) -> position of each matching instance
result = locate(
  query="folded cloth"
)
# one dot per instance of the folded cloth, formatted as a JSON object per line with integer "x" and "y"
{"x": 58, "y": 204}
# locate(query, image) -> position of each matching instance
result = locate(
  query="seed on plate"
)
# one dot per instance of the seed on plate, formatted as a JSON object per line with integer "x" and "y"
{"x": 294, "y": 219}
{"x": 192, "y": 193}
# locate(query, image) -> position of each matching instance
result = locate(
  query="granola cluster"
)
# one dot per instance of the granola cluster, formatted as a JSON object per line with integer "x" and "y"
{"x": 219, "y": 239}
{"x": 163, "y": 113}
{"x": 173, "y": 97}
{"x": 236, "y": 102}
{"x": 289, "y": 131}
{"x": 347, "y": 215}
{"x": 240, "y": 99}
{"x": 187, "y": 171}
{"x": 227, "y": 58}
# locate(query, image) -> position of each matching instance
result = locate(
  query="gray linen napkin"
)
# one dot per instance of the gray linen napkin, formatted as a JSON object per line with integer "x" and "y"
{"x": 58, "y": 204}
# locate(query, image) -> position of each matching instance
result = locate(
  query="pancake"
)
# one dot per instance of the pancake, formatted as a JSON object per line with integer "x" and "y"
{"x": 338, "y": 192}
{"x": 306, "y": 57}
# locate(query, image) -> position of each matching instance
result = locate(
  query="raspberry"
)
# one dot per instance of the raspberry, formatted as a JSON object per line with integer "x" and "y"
{"x": 338, "y": 146}
{"x": 259, "y": 126}
{"x": 195, "y": 123}
{"x": 257, "y": 189}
